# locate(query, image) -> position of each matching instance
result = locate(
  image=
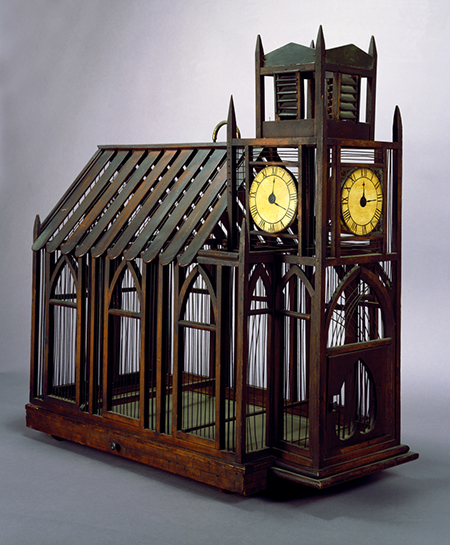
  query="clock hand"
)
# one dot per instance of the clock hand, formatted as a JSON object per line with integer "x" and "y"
{"x": 272, "y": 197}
{"x": 363, "y": 200}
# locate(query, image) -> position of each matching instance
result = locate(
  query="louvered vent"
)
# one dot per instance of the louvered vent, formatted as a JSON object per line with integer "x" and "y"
{"x": 287, "y": 96}
{"x": 343, "y": 105}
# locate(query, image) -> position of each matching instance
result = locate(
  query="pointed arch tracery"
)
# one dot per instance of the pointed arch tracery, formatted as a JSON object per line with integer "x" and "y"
{"x": 124, "y": 339}
{"x": 360, "y": 310}
{"x": 197, "y": 353}
{"x": 63, "y": 348}
{"x": 294, "y": 307}
{"x": 194, "y": 294}
{"x": 259, "y": 314}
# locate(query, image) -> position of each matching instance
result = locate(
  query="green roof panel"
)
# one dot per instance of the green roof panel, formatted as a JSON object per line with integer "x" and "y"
{"x": 349, "y": 55}
{"x": 290, "y": 54}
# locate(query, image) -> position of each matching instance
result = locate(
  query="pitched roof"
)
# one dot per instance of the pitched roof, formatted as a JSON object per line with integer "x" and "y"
{"x": 294, "y": 54}
{"x": 141, "y": 202}
{"x": 291, "y": 53}
{"x": 350, "y": 55}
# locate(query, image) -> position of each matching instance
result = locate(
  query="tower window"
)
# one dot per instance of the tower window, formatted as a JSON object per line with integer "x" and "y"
{"x": 288, "y": 96}
{"x": 343, "y": 94}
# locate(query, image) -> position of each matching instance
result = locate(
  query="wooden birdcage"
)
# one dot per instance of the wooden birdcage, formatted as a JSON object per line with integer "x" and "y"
{"x": 169, "y": 329}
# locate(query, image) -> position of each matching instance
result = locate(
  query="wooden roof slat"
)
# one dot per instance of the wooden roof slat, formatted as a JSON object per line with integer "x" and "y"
{"x": 107, "y": 215}
{"x": 202, "y": 235}
{"x": 167, "y": 204}
{"x": 189, "y": 197}
{"x": 143, "y": 201}
{"x": 211, "y": 221}
{"x": 135, "y": 200}
{"x": 87, "y": 202}
{"x": 200, "y": 211}
{"x": 121, "y": 243}
{"x": 72, "y": 186}
{"x": 93, "y": 213}
{"x": 71, "y": 197}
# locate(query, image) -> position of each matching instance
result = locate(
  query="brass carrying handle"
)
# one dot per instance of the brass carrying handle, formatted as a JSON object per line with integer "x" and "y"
{"x": 220, "y": 125}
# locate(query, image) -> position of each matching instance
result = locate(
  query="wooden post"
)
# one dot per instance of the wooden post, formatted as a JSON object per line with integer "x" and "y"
{"x": 146, "y": 336}
{"x": 259, "y": 85}
{"x": 318, "y": 374}
{"x": 231, "y": 176}
{"x": 220, "y": 358}
{"x": 81, "y": 360}
{"x": 48, "y": 318}
{"x": 371, "y": 91}
{"x": 397, "y": 136}
{"x": 242, "y": 346}
{"x": 107, "y": 386}
{"x": 178, "y": 363}
{"x": 35, "y": 313}
{"x": 93, "y": 332}
{"x": 162, "y": 339}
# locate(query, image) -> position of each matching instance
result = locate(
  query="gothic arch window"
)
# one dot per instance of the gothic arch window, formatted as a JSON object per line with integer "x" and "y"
{"x": 358, "y": 310}
{"x": 197, "y": 354}
{"x": 294, "y": 305}
{"x": 63, "y": 331}
{"x": 259, "y": 314}
{"x": 124, "y": 338}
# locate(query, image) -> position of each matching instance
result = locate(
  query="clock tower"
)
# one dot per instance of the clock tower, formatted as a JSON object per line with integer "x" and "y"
{"x": 319, "y": 211}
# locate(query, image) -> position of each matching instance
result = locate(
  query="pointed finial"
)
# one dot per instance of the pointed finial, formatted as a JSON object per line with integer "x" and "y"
{"x": 259, "y": 51}
{"x": 36, "y": 227}
{"x": 232, "y": 130}
{"x": 320, "y": 39}
{"x": 312, "y": 44}
{"x": 373, "y": 48}
{"x": 397, "y": 126}
{"x": 231, "y": 111}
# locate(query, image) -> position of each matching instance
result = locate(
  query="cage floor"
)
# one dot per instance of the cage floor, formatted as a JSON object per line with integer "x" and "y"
{"x": 198, "y": 418}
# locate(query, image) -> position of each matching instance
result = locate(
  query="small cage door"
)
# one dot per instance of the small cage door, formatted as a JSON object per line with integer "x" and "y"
{"x": 357, "y": 384}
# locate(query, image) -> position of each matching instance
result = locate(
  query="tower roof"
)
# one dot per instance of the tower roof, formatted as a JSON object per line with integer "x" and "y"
{"x": 349, "y": 55}
{"x": 291, "y": 53}
{"x": 294, "y": 54}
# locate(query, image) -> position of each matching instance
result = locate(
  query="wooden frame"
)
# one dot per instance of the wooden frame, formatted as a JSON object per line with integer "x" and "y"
{"x": 247, "y": 354}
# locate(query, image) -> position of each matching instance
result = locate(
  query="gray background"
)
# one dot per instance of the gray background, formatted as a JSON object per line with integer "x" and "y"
{"x": 78, "y": 73}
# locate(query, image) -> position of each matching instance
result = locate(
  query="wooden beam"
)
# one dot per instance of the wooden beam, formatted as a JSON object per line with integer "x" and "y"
{"x": 231, "y": 176}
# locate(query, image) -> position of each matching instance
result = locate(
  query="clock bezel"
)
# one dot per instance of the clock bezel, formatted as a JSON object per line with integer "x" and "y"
{"x": 278, "y": 226}
{"x": 378, "y": 228}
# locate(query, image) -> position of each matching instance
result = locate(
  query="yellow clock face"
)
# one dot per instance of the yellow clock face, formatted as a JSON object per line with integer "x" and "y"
{"x": 361, "y": 201}
{"x": 273, "y": 199}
